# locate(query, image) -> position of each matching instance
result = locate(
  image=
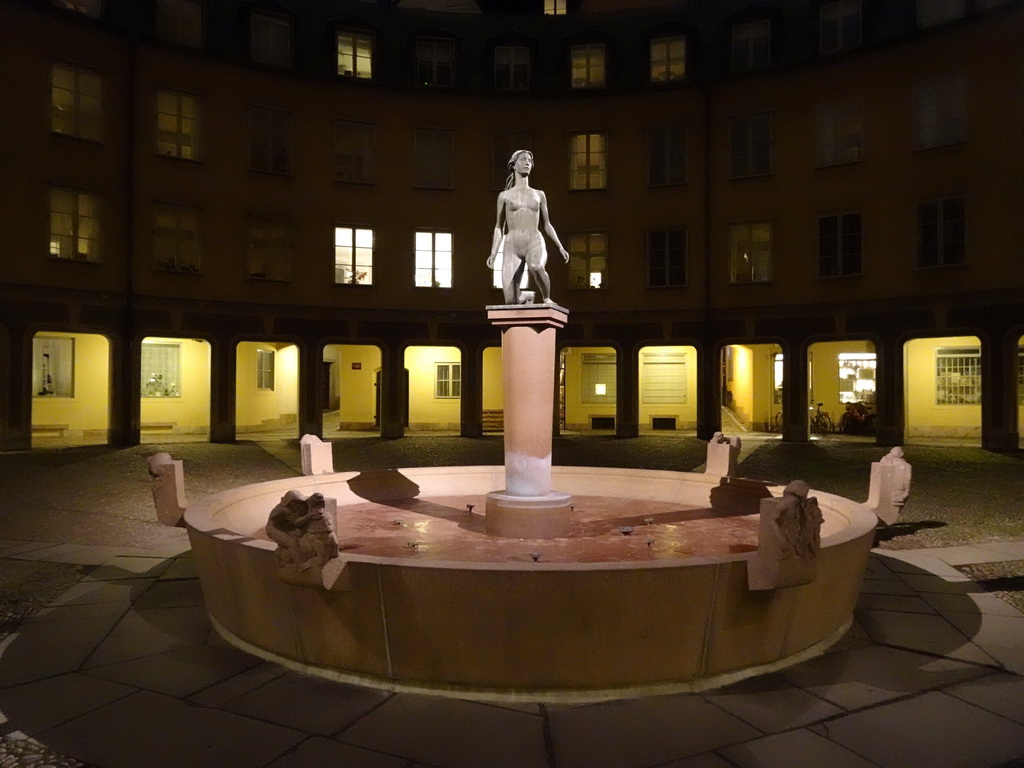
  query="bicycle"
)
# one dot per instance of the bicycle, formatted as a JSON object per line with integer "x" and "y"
{"x": 821, "y": 422}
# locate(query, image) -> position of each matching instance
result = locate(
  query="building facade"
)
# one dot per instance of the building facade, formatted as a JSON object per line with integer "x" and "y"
{"x": 227, "y": 216}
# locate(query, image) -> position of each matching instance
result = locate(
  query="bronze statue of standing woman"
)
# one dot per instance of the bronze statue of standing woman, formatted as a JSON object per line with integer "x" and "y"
{"x": 522, "y": 211}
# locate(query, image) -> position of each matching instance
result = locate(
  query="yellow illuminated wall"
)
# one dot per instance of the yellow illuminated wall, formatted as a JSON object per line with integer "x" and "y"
{"x": 494, "y": 390}
{"x": 84, "y": 417}
{"x": 823, "y": 359}
{"x": 426, "y": 411}
{"x": 683, "y": 405}
{"x": 752, "y": 385}
{"x": 188, "y": 414}
{"x": 925, "y": 417}
{"x": 266, "y": 409}
{"x": 578, "y": 414}
{"x": 354, "y": 370}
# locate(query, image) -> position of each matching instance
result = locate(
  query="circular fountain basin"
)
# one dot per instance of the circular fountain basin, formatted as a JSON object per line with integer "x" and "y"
{"x": 647, "y": 594}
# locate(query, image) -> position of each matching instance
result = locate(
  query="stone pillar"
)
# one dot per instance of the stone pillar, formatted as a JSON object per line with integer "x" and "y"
{"x": 311, "y": 406}
{"x": 627, "y": 401}
{"x": 709, "y": 390}
{"x": 16, "y": 394}
{"x": 999, "y": 427}
{"x": 471, "y": 405}
{"x": 393, "y": 397}
{"x": 527, "y": 508}
{"x": 889, "y": 384}
{"x": 795, "y": 413}
{"x": 223, "y": 367}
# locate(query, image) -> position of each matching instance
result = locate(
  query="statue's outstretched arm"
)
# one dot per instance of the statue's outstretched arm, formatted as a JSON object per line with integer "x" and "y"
{"x": 548, "y": 228}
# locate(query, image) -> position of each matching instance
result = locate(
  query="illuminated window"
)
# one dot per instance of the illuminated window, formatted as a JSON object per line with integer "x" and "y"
{"x": 434, "y": 158}
{"x": 751, "y": 46}
{"x": 269, "y": 249}
{"x": 161, "y": 369}
{"x": 839, "y": 132}
{"x": 932, "y": 12}
{"x": 354, "y": 144}
{"x": 177, "y": 125}
{"x": 588, "y": 160}
{"x": 269, "y": 140}
{"x": 180, "y": 21}
{"x": 598, "y": 378}
{"x": 666, "y": 258}
{"x": 353, "y": 256}
{"x": 433, "y": 259}
{"x": 554, "y": 7}
{"x": 666, "y": 155}
{"x": 176, "y": 244}
{"x": 588, "y": 260}
{"x": 53, "y": 366}
{"x": 502, "y": 146}
{"x": 941, "y": 232}
{"x": 839, "y": 26}
{"x": 355, "y": 53}
{"x": 86, "y": 7}
{"x": 939, "y": 112}
{"x": 750, "y": 145}
{"x": 448, "y": 380}
{"x": 588, "y": 65}
{"x": 778, "y": 375}
{"x": 512, "y": 67}
{"x": 668, "y": 58}
{"x": 663, "y": 379}
{"x": 74, "y": 225}
{"x": 958, "y": 376}
{"x": 265, "y": 369}
{"x": 839, "y": 245}
{"x": 435, "y": 61}
{"x": 857, "y": 377}
{"x": 270, "y": 39}
{"x": 750, "y": 252}
{"x": 76, "y": 102}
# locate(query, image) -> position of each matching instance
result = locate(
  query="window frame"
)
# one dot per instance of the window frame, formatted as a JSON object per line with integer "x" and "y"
{"x": 672, "y": 162}
{"x": 432, "y": 64}
{"x": 844, "y": 232}
{"x": 180, "y": 266}
{"x": 841, "y": 21}
{"x": 77, "y": 220}
{"x": 590, "y": 165}
{"x": 448, "y": 386}
{"x": 660, "y": 70}
{"x": 363, "y": 162}
{"x": 179, "y": 135}
{"x": 759, "y": 271}
{"x": 588, "y": 255}
{"x": 939, "y": 111}
{"x": 83, "y": 124}
{"x": 274, "y": 251}
{"x": 943, "y": 243}
{"x": 747, "y": 51}
{"x": 590, "y": 59}
{"x": 274, "y": 147}
{"x": 172, "y": 389}
{"x": 595, "y": 365}
{"x": 62, "y": 375}
{"x": 951, "y": 375}
{"x": 180, "y": 36}
{"x": 434, "y": 271}
{"x": 432, "y": 146}
{"x": 834, "y": 143}
{"x": 347, "y": 257}
{"x": 508, "y": 80}
{"x": 665, "y": 253}
{"x": 272, "y": 39}
{"x": 745, "y": 165}
{"x": 355, "y": 37}
{"x": 266, "y": 370}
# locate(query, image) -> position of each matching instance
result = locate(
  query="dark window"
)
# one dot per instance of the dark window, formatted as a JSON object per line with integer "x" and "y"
{"x": 666, "y": 258}
{"x": 839, "y": 245}
{"x": 940, "y": 232}
{"x": 666, "y": 155}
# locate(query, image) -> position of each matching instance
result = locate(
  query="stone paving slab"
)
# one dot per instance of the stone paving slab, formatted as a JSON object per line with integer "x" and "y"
{"x": 935, "y": 729}
{"x": 999, "y": 693}
{"x": 179, "y": 672}
{"x": 148, "y": 730}
{"x": 41, "y": 705}
{"x": 452, "y": 733}
{"x": 317, "y": 751}
{"x": 795, "y": 749}
{"x": 640, "y": 732}
{"x": 772, "y": 704}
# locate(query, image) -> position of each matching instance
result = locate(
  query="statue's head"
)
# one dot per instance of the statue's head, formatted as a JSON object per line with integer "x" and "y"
{"x": 896, "y": 453}
{"x": 797, "y": 488}
{"x": 520, "y": 153}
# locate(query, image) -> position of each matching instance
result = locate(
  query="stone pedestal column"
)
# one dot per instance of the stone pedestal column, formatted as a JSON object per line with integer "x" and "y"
{"x": 527, "y": 508}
